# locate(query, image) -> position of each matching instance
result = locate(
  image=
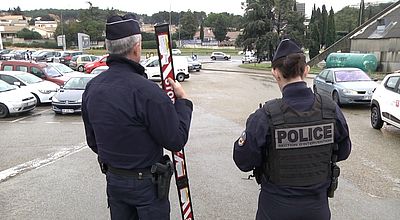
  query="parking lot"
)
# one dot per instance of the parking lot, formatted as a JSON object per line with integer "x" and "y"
{"x": 47, "y": 171}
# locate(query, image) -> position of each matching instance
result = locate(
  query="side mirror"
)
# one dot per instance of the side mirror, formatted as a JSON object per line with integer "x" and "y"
{"x": 17, "y": 84}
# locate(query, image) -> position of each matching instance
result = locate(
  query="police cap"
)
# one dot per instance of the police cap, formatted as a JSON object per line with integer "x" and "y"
{"x": 285, "y": 48}
{"x": 118, "y": 27}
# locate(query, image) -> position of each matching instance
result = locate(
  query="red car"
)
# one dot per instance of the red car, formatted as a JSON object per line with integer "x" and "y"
{"x": 41, "y": 70}
{"x": 91, "y": 66}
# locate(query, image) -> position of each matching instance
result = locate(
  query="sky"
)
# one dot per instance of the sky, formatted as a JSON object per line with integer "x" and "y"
{"x": 152, "y": 6}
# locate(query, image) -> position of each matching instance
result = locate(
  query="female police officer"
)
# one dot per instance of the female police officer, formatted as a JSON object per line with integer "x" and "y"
{"x": 293, "y": 144}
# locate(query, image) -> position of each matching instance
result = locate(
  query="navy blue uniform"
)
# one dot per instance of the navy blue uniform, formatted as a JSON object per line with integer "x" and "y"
{"x": 128, "y": 120}
{"x": 284, "y": 202}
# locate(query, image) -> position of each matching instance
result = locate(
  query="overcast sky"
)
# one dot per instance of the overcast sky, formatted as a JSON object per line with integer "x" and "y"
{"x": 152, "y": 6}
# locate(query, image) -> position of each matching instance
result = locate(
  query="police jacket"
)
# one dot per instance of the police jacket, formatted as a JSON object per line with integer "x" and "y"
{"x": 250, "y": 151}
{"x": 129, "y": 119}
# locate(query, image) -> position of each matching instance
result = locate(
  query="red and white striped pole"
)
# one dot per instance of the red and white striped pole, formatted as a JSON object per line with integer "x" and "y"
{"x": 167, "y": 71}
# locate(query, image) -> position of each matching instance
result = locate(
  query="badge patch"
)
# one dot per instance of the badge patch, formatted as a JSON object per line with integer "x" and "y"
{"x": 242, "y": 139}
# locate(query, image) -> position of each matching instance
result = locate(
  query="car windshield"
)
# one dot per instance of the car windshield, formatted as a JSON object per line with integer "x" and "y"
{"x": 77, "y": 83}
{"x": 62, "y": 68}
{"x": 351, "y": 75}
{"x": 29, "y": 78}
{"x": 4, "y": 87}
{"x": 52, "y": 72}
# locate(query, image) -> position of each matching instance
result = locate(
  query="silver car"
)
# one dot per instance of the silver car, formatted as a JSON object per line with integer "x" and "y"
{"x": 68, "y": 99}
{"x": 345, "y": 85}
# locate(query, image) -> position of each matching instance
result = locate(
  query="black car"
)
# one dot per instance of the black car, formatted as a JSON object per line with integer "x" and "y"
{"x": 43, "y": 56}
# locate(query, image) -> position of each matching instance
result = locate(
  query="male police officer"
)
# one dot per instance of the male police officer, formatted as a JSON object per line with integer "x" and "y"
{"x": 128, "y": 120}
{"x": 293, "y": 144}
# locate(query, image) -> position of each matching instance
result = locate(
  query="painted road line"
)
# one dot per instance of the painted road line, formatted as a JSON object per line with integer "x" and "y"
{"x": 29, "y": 116}
{"x": 40, "y": 162}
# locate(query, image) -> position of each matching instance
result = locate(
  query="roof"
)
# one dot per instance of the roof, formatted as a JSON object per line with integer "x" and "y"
{"x": 390, "y": 28}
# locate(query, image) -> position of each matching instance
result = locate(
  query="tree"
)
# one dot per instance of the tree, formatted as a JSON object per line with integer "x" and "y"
{"x": 202, "y": 32}
{"x": 28, "y": 34}
{"x": 220, "y": 28}
{"x": 346, "y": 19}
{"x": 331, "y": 33}
{"x": 313, "y": 34}
{"x": 324, "y": 25}
{"x": 361, "y": 13}
{"x": 291, "y": 22}
{"x": 188, "y": 26}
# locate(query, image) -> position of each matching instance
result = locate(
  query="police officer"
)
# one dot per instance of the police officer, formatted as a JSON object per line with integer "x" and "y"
{"x": 128, "y": 120}
{"x": 292, "y": 143}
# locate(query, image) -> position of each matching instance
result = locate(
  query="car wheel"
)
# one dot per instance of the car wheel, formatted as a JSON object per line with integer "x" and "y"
{"x": 213, "y": 58}
{"x": 197, "y": 70}
{"x": 180, "y": 77}
{"x": 335, "y": 97}
{"x": 315, "y": 89}
{"x": 3, "y": 111}
{"x": 226, "y": 58}
{"x": 376, "y": 120}
{"x": 81, "y": 68}
{"x": 37, "y": 99}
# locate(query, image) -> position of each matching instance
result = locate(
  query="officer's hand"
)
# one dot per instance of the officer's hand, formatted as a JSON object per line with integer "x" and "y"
{"x": 178, "y": 89}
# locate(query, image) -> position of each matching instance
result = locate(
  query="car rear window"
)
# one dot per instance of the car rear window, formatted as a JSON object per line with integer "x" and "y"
{"x": 7, "y": 68}
{"x": 391, "y": 82}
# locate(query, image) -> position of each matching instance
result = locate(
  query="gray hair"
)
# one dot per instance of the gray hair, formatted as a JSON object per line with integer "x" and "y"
{"x": 124, "y": 45}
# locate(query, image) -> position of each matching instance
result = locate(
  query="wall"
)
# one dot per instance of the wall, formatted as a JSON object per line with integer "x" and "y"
{"x": 387, "y": 51}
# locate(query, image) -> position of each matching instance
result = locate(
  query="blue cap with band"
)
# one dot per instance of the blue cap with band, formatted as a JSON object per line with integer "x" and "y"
{"x": 118, "y": 27}
{"x": 285, "y": 48}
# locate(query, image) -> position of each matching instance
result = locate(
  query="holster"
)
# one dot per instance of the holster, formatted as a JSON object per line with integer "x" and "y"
{"x": 257, "y": 173}
{"x": 334, "y": 181}
{"x": 103, "y": 166}
{"x": 162, "y": 173}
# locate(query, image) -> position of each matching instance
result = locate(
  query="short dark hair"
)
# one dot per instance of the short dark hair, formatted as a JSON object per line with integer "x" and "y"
{"x": 291, "y": 66}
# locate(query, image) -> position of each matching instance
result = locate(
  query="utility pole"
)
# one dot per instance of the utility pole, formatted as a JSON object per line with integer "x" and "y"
{"x": 62, "y": 34}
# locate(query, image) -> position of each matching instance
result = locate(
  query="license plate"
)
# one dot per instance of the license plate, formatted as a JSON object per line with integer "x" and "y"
{"x": 67, "y": 111}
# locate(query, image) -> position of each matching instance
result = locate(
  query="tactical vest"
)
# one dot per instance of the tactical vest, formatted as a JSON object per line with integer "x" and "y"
{"x": 302, "y": 143}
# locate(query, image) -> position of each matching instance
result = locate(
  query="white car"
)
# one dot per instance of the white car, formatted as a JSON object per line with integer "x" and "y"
{"x": 176, "y": 52}
{"x": 385, "y": 103}
{"x": 220, "y": 55}
{"x": 42, "y": 90}
{"x": 14, "y": 100}
{"x": 152, "y": 68}
{"x": 249, "y": 59}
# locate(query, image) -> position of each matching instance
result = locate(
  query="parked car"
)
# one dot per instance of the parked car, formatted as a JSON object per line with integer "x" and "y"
{"x": 152, "y": 68}
{"x": 63, "y": 69}
{"x": 99, "y": 70}
{"x": 176, "y": 52}
{"x": 44, "y": 55}
{"x": 54, "y": 57}
{"x": 14, "y": 100}
{"x": 100, "y": 62}
{"x": 42, "y": 90}
{"x": 249, "y": 59}
{"x": 345, "y": 85}
{"x": 42, "y": 70}
{"x": 385, "y": 103}
{"x": 220, "y": 56}
{"x": 66, "y": 57}
{"x": 68, "y": 99}
{"x": 194, "y": 65}
{"x": 78, "y": 62}
{"x": 9, "y": 56}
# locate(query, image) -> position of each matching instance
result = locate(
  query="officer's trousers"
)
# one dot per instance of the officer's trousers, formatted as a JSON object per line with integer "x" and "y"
{"x": 130, "y": 198}
{"x": 277, "y": 207}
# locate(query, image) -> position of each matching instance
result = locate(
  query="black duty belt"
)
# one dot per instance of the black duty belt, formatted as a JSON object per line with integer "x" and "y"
{"x": 137, "y": 173}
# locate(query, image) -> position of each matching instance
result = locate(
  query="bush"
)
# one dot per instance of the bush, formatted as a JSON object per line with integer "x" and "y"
{"x": 153, "y": 44}
{"x": 34, "y": 44}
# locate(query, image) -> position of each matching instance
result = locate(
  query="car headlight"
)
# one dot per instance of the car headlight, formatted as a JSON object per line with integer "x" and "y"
{"x": 349, "y": 92}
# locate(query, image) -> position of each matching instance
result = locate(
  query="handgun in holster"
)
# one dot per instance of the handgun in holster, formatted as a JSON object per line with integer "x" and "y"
{"x": 335, "y": 172}
{"x": 103, "y": 166}
{"x": 162, "y": 173}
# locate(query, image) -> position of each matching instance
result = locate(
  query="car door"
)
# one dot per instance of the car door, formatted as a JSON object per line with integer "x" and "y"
{"x": 329, "y": 83}
{"x": 390, "y": 105}
{"x": 153, "y": 70}
{"x": 319, "y": 83}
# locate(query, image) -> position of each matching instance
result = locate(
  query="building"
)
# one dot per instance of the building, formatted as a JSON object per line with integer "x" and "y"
{"x": 301, "y": 8}
{"x": 46, "y": 24}
{"x": 12, "y": 24}
{"x": 382, "y": 38}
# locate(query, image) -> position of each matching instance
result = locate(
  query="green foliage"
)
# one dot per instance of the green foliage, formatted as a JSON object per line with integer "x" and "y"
{"x": 34, "y": 44}
{"x": 152, "y": 44}
{"x": 188, "y": 26}
{"x": 324, "y": 25}
{"x": 201, "y": 31}
{"x": 331, "y": 32}
{"x": 232, "y": 21}
{"x": 220, "y": 27}
{"x": 28, "y": 34}
{"x": 346, "y": 19}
